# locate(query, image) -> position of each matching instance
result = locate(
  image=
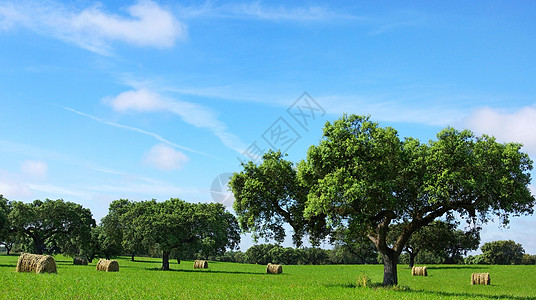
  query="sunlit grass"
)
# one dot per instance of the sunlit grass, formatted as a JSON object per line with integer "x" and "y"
{"x": 143, "y": 279}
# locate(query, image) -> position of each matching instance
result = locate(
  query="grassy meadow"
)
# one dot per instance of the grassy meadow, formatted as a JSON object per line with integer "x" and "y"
{"x": 142, "y": 279}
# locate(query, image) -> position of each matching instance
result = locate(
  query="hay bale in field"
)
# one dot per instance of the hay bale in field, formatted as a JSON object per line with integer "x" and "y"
{"x": 274, "y": 269}
{"x": 80, "y": 261}
{"x": 200, "y": 264}
{"x": 36, "y": 263}
{"x": 419, "y": 271}
{"x": 108, "y": 265}
{"x": 480, "y": 278}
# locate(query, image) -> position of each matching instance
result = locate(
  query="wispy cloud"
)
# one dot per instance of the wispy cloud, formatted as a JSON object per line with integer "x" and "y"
{"x": 263, "y": 11}
{"x": 400, "y": 19}
{"x": 392, "y": 109}
{"x": 144, "y": 100}
{"x": 147, "y": 24}
{"x": 152, "y": 134}
{"x": 285, "y": 13}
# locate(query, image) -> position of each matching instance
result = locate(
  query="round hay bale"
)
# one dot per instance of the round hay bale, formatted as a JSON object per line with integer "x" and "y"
{"x": 36, "y": 263}
{"x": 480, "y": 278}
{"x": 200, "y": 264}
{"x": 274, "y": 269}
{"x": 108, "y": 265}
{"x": 419, "y": 271}
{"x": 80, "y": 261}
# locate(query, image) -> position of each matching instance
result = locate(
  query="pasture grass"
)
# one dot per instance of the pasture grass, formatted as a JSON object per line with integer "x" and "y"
{"x": 143, "y": 279}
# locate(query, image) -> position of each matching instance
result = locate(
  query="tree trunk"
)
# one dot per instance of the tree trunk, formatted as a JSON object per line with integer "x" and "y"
{"x": 179, "y": 261}
{"x": 390, "y": 276}
{"x": 132, "y": 257}
{"x": 165, "y": 260}
{"x": 412, "y": 259}
{"x": 39, "y": 247}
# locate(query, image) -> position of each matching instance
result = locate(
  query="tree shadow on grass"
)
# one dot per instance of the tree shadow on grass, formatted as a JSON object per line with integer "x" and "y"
{"x": 373, "y": 285}
{"x": 8, "y": 265}
{"x": 465, "y": 267}
{"x": 466, "y": 294}
{"x": 148, "y": 261}
{"x": 212, "y": 271}
{"x": 421, "y": 293}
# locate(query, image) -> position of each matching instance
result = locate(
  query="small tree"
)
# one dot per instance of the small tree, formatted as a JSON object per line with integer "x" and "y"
{"x": 439, "y": 239}
{"x": 528, "y": 259}
{"x": 175, "y": 225}
{"x": 8, "y": 236}
{"x": 114, "y": 229}
{"x": 353, "y": 247}
{"x": 4, "y": 222}
{"x": 259, "y": 254}
{"x": 502, "y": 253}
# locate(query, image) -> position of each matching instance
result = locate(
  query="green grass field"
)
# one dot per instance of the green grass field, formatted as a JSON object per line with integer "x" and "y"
{"x": 142, "y": 279}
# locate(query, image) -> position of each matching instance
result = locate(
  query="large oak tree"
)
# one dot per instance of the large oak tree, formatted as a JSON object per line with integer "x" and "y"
{"x": 363, "y": 177}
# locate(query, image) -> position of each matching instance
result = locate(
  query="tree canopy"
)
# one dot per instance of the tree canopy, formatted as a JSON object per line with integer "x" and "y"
{"x": 53, "y": 225}
{"x": 4, "y": 222}
{"x": 502, "y": 253}
{"x": 363, "y": 177}
{"x": 175, "y": 226}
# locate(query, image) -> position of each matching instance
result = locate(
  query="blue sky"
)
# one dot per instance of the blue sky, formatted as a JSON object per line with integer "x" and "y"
{"x": 157, "y": 99}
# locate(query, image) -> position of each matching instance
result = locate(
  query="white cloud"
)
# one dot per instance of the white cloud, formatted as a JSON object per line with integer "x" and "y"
{"x": 143, "y": 100}
{"x": 138, "y": 100}
{"x": 11, "y": 187}
{"x": 165, "y": 158}
{"x": 148, "y": 24}
{"x": 35, "y": 169}
{"x": 518, "y": 126}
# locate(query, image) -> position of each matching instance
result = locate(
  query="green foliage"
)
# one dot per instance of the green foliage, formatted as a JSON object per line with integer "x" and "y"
{"x": 259, "y": 254}
{"x": 4, "y": 223}
{"x": 269, "y": 195}
{"x": 8, "y": 237}
{"x": 502, "y": 253}
{"x": 475, "y": 260}
{"x": 438, "y": 242}
{"x": 112, "y": 230}
{"x": 363, "y": 177}
{"x": 269, "y": 253}
{"x": 528, "y": 259}
{"x": 352, "y": 247}
{"x": 232, "y": 256}
{"x": 53, "y": 226}
{"x": 178, "y": 227}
